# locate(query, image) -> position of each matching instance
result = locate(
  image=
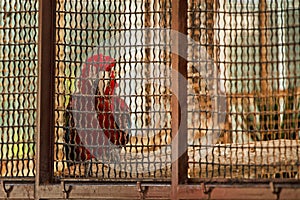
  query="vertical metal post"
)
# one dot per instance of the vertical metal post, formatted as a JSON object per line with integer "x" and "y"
{"x": 179, "y": 110}
{"x": 45, "y": 115}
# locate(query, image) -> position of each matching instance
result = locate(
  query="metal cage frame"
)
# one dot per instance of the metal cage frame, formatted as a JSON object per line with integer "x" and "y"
{"x": 44, "y": 186}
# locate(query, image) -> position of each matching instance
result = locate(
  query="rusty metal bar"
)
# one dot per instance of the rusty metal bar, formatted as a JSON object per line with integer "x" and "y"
{"x": 25, "y": 190}
{"x": 130, "y": 191}
{"x": 250, "y": 191}
{"x": 45, "y": 117}
{"x": 179, "y": 103}
{"x": 96, "y": 191}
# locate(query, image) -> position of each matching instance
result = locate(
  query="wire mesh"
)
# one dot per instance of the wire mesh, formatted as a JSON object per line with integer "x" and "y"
{"x": 18, "y": 86}
{"x": 112, "y": 122}
{"x": 249, "y": 120}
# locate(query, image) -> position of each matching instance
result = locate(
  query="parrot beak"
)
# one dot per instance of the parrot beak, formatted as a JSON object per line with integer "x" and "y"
{"x": 104, "y": 82}
{"x": 102, "y": 67}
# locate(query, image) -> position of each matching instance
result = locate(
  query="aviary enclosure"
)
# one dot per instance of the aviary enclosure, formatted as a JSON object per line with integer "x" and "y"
{"x": 150, "y": 99}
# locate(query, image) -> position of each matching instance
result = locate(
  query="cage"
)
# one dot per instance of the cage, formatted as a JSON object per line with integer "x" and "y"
{"x": 156, "y": 96}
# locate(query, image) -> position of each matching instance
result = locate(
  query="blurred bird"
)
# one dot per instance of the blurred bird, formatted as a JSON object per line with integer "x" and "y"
{"x": 108, "y": 125}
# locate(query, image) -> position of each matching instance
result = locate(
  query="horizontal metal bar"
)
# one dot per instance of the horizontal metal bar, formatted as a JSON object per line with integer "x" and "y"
{"x": 19, "y": 190}
{"x": 103, "y": 29}
{"x": 258, "y": 182}
{"x": 243, "y": 29}
{"x": 234, "y": 192}
{"x": 18, "y": 60}
{"x": 120, "y": 78}
{"x": 239, "y": 146}
{"x": 17, "y": 28}
{"x": 239, "y": 12}
{"x": 91, "y": 191}
{"x": 154, "y": 44}
{"x": 19, "y": 11}
{"x": 112, "y": 12}
{"x": 154, "y": 191}
{"x": 12, "y": 43}
{"x": 18, "y": 180}
{"x": 95, "y": 181}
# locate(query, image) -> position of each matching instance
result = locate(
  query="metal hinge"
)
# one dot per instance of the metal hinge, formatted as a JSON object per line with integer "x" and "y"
{"x": 275, "y": 190}
{"x": 206, "y": 189}
{"x": 66, "y": 189}
{"x": 7, "y": 188}
{"x": 141, "y": 189}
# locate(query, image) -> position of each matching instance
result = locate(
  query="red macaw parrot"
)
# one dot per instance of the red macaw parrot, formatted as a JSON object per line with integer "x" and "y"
{"x": 102, "y": 117}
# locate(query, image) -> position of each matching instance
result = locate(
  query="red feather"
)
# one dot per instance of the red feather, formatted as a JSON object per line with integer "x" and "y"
{"x": 112, "y": 114}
